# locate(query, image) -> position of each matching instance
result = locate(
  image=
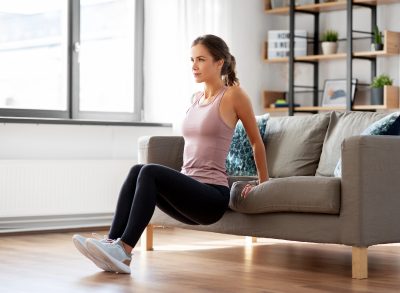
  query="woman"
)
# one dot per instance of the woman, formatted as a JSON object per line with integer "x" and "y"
{"x": 199, "y": 194}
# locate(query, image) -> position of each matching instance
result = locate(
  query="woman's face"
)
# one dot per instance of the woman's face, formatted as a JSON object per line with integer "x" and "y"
{"x": 204, "y": 67}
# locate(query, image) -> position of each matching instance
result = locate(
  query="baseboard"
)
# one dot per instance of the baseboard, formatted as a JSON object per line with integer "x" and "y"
{"x": 54, "y": 222}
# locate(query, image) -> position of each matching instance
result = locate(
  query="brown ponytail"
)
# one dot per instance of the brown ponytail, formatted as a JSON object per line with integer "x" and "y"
{"x": 229, "y": 75}
{"x": 220, "y": 51}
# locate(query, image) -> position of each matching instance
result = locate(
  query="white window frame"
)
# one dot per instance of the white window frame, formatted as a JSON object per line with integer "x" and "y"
{"x": 73, "y": 112}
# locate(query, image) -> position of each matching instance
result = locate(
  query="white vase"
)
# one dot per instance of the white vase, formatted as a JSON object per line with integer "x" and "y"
{"x": 329, "y": 48}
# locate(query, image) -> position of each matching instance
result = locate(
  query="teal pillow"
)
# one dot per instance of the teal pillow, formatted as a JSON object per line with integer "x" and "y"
{"x": 240, "y": 161}
{"x": 388, "y": 125}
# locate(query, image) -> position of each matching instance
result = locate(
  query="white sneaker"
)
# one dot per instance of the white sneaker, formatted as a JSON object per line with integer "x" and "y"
{"x": 111, "y": 253}
{"x": 80, "y": 244}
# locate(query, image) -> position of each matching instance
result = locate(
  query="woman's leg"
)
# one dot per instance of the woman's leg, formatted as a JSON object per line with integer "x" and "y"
{"x": 179, "y": 195}
{"x": 170, "y": 210}
{"x": 124, "y": 203}
{"x": 188, "y": 198}
{"x": 117, "y": 228}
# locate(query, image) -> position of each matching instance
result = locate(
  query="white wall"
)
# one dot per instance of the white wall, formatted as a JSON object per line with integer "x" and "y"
{"x": 248, "y": 28}
{"x": 64, "y": 170}
{"x": 86, "y": 142}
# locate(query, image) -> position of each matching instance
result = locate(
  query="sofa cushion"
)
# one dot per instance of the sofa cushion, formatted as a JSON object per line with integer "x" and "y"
{"x": 240, "y": 161}
{"x": 293, "y": 144}
{"x": 342, "y": 125}
{"x": 388, "y": 125}
{"x": 307, "y": 194}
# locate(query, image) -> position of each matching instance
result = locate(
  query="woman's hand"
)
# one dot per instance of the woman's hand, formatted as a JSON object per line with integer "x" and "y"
{"x": 247, "y": 188}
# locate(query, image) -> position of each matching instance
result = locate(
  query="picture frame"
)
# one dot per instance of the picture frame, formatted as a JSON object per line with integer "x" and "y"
{"x": 335, "y": 92}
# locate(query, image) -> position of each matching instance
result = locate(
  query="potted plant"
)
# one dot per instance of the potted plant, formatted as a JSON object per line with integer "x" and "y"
{"x": 377, "y": 86}
{"x": 329, "y": 42}
{"x": 377, "y": 43}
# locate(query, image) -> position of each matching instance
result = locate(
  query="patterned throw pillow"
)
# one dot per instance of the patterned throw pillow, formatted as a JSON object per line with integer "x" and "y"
{"x": 240, "y": 161}
{"x": 388, "y": 125}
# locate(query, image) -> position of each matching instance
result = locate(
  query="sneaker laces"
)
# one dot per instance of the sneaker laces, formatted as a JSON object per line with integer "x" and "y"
{"x": 109, "y": 241}
{"x": 103, "y": 238}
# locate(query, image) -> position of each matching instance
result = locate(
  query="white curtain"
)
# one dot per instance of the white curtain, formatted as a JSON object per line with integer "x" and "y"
{"x": 170, "y": 28}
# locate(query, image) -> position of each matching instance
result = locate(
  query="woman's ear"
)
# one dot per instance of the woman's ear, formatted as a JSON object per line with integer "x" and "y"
{"x": 220, "y": 63}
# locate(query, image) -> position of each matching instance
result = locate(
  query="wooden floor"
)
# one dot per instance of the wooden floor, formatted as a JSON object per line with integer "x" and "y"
{"x": 189, "y": 261}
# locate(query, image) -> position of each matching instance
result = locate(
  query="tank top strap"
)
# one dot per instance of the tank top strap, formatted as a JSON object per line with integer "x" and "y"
{"x": 218, "y": 98}
{"x": 221, "y": 93}
{"x": 195, "y": 98}
{"x": 198, "y": 95}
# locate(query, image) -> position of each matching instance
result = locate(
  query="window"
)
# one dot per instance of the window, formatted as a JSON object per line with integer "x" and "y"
{"x": 33, "y": 55}
{"x": 71, "y": 58}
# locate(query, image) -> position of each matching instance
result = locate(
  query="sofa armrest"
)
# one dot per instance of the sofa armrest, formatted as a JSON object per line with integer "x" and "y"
{"x": 163, "y": 150}
{"x": 370, "y": 190}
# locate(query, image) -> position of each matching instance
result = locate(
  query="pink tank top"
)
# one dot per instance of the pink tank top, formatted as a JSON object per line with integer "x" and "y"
{"x": 207, "y": 140}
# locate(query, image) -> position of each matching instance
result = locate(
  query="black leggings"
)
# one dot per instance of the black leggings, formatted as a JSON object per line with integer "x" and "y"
{"x": 180, "y": 196}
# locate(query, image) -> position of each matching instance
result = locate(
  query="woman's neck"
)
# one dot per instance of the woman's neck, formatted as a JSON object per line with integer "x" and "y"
{"x": 211, "y": 89}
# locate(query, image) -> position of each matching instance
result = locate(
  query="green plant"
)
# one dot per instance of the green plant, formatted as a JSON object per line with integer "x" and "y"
{"x": 330, "y": 36}
{"x": 381, "y": 80}
{"x": 377, "y": 35}
{"x": 280, "y": 101}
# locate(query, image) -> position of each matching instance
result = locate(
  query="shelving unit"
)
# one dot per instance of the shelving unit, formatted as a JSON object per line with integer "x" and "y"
{"x": 391, "y": 100}
{"x": 391, "y": 47}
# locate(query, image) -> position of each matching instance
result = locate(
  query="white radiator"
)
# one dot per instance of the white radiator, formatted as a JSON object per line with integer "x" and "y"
{"x": 52, "y": 194}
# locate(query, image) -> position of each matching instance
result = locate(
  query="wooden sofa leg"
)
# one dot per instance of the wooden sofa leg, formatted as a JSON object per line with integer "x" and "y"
{"x": 359, "y": 262}
{"x": 250, "y": 240}
{"x": 147, "y": 238}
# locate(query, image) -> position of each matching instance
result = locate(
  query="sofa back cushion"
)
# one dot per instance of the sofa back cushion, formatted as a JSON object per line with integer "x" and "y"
{"x": 341, "y": 126}
{"x": 293, "y": 144}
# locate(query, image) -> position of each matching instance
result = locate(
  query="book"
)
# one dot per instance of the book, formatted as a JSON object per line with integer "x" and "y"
{"x": 284, "y": 105}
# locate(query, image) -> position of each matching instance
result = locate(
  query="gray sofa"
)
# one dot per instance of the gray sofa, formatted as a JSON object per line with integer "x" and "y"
{"x": 304, "y": 201}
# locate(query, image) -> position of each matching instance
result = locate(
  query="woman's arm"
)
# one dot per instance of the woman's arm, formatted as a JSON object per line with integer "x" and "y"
{"x": 244, "y": 112}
